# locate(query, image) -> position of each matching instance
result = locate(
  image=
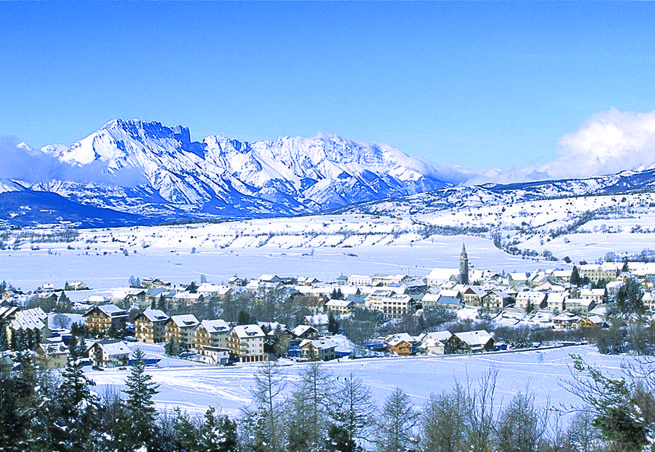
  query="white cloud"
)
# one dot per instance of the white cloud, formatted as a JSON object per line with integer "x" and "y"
{"x": 607, "y": 142}
{"x": 19, "y": 162}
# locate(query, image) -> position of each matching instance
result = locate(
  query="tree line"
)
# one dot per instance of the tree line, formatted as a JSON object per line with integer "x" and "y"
{"x": 319, "y": 412}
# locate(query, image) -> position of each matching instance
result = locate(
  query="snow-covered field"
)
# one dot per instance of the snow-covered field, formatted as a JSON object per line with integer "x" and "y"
{"x": 324, "y": 246}
{"x": 105, "y": 266}
{"x": 542, "y": 372}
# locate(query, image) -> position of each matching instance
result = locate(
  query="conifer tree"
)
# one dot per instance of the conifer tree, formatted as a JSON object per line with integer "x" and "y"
{"x": 218, "y": 433}
{"x": 186, "y": 432}
{"x": 141, "y": 414}
{"x": 10, "y": 424}
{"x": 78, "y": 407}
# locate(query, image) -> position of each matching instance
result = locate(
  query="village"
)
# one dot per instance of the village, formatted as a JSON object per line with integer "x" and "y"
{"x": 451, "y": 311}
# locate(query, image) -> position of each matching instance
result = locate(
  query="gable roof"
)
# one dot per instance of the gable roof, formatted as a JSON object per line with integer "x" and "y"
{"x": 474, "y": 338}
{"x": 114, "y": 348}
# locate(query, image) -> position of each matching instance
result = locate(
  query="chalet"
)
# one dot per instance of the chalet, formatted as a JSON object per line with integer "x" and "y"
{"x": 305, "y": 332}
{"x": 187, "y": 298}
{"x": 213, "y": 290}
{"x": 340, "y": 306}
{"x": 387, "y": 280}
{"x": 472, "y": 296}
{"x": 246, "y": 343}
{"x": 580, "y": 305}
{"x": 51, "y": 356}
{"x": 565, "y": 320}
{"x": 562, "y": 275}
{"x": 556, "y": 302}
{"x": 180, "y": 328}
{"x": 150, "y": 326}
{"x": 149, "y": 283}
{"x": 446, "y": 298}
{"x": 211, "y": 333}
{"x": 76, "y": 285}
{"x": 314, "y": 303}
{"x": 109, "y": 353}
{"x": 434, "y": 343}
{"x": 439, "y": 276}
{"x": 597, "y": 295}
{"x": 533, "y": 298}
{"x": 593, "y": 321}
{"x": 307, "y": 281}
{"x": 215, "y": 355}
{"x": 400, "y": 344}
{"x": 470, "y": 342}
{"x": 497, "y": 299}
{"x": 103, "y": 318}
{"x": 321, "y": 350}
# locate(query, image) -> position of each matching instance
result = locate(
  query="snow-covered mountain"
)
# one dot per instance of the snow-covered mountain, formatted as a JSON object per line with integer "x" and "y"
{"x": 160, "y": 174}
{"x": 134, "y": 172}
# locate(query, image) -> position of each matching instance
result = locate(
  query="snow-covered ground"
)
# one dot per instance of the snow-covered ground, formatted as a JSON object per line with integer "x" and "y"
{"x": 542, "y": 372}
{"x": 585, "y": 228}
{"x": 56, "y": 264}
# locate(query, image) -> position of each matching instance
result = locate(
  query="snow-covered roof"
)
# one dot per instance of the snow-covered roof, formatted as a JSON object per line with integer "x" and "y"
{"x": 29, "y": 319}
{"x": 155, "y": 315}
{"x": 434, "y": 337}
{"x": 320, "y": 344}
{"x": 216, "y": 326}
{"x": 300, "y": 330}
{"x": 474, "y": 338}
{"x": 185, "y": 320}
{"x": 248, "y": 331}
{"x": 114, "y": 348}
{"x": 338, "y": 303}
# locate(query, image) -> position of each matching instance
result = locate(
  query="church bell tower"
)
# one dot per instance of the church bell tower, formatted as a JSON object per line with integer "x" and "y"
{"x": 463, "y": 266}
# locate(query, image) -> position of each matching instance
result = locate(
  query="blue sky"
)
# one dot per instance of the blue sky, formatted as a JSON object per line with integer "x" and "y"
{"x": 478, "y": 85}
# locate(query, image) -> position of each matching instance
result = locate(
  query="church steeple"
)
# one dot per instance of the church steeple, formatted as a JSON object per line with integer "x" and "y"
{"x": 463, "y": 266}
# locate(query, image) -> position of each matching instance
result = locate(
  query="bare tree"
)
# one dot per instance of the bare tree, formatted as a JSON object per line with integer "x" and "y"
{"x": 480, "y": 412}
{"x": 521, "y": 425}
{"x": 397, "y": 423}
{"x": 308, "y": 409}
{"x": 351, "y": 412}
{"x": 263, "y": 419}
{"x": 443, "y": 422}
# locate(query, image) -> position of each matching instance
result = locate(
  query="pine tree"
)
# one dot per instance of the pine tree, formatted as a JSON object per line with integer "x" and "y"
{"x": 4, "y": 344}
{"x": 10, "y": 422}
{"x": 78, "y": 407}
{"x": 186, "y": 433}
{"x": 141, "y": 413}
{"x": 333, "y": 325}
{"x": 218, "y": 433}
